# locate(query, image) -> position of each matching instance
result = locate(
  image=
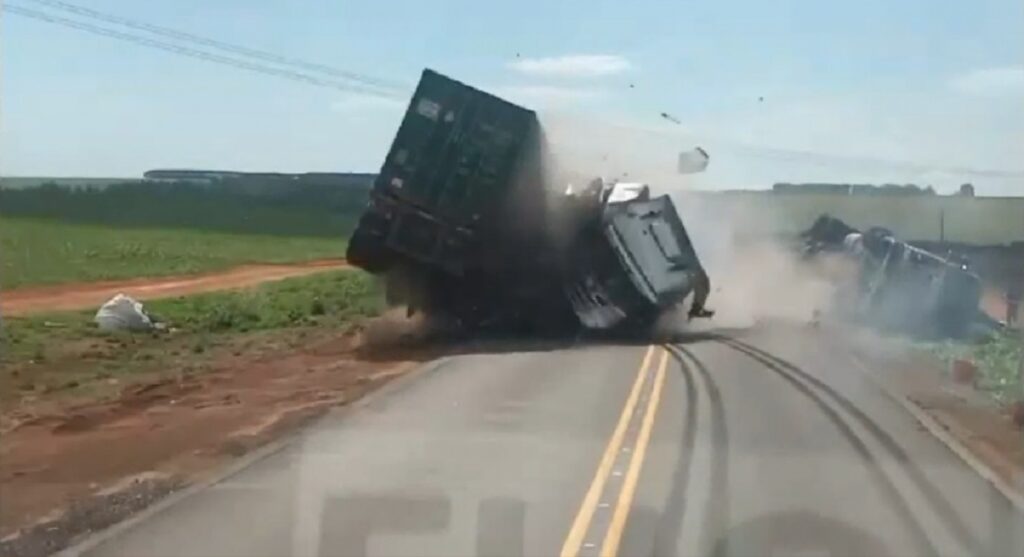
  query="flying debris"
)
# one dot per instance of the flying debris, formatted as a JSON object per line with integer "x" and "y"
{"x": 670, "y": 118}
{"x": 692, "y": 162}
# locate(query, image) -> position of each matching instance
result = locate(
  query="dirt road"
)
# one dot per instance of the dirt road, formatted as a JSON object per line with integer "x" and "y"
{"x": 59, "y": 297}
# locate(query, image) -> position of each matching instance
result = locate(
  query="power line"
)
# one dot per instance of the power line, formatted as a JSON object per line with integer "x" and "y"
{"x": 388, "y": 89}
{"x": 196, "y": 53}
{"x": 229, "y": 47}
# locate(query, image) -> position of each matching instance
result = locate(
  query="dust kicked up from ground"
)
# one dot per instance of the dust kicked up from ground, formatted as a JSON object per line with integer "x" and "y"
{"x": 754, "y": 275}
{"x": 395, "y": 331}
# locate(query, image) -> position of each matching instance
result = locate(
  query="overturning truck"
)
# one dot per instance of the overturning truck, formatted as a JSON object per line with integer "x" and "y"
{"x": 900, "y": 286}
{"x": 464, "y": 223}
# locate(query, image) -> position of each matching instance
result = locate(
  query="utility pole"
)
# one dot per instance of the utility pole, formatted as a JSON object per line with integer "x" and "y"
{"x": 1020, "y": 329}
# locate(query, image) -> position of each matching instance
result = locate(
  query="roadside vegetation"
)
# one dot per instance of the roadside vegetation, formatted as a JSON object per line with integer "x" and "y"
{"x": 997, "y": 360}
{"x": 83, "y": 409}
{"x": 40, "y": 251}
{"x": 85, "y": 230}
{"x": 64, "y": 354}
{"x": 249, "y": 206}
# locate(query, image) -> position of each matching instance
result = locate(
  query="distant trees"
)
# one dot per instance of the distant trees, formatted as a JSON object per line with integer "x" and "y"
{"x": 966, "y": 190}
{"x": 853, "y": 189}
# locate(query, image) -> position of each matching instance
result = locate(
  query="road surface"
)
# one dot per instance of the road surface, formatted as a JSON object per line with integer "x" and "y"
{"x": 760, "y": 443}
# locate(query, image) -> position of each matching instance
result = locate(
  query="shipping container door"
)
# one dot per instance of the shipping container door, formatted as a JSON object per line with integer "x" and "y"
{"x": 456, "y": 150}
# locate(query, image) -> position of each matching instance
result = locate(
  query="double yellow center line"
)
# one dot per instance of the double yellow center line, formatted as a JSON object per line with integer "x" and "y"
{"x": 577, "y": 536}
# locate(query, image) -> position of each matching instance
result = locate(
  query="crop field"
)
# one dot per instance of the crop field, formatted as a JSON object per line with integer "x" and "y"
{"x": 44, "y": 251}
{"x": 279, "y": 209}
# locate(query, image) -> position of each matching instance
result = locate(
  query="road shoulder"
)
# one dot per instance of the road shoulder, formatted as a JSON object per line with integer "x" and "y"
{"x": 978, "y": 431}
{"x": 71, "y": 473}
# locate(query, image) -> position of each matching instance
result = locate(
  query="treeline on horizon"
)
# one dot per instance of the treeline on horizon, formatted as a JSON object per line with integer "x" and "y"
{"x": 260, "y": 204}
{"x": 276, "y": 207}
{"x": 863, "y": 189}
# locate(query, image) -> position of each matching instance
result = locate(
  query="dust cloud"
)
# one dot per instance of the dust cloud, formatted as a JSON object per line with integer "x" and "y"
{"x": 755, "y": 276}
{"x": 395, "y": 331}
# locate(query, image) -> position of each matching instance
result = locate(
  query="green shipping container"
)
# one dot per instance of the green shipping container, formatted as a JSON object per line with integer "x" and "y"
{"x": 460, "y": 190}
{"x": 457, "y": 152}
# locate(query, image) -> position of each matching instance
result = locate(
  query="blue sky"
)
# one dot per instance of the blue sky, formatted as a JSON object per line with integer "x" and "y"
{"x": 929, "y": 91}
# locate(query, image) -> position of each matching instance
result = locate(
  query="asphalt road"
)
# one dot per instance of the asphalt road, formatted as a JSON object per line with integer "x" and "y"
{"x": 703, "y": 447}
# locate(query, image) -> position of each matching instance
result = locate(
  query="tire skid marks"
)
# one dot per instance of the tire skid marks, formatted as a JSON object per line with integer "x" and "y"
{"x": 716, "y": 512}
{"x": 936, "y": 500}
{"x": 670, "y": 525}
{"x": 806, "y": 384}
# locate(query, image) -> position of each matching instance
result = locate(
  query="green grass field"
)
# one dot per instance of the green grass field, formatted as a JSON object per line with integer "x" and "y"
{"x": 40, "y": 251}
{"x": 65, "y": 352}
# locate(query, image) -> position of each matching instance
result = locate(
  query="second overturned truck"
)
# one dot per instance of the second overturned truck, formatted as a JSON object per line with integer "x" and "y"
{"x": 464, "y": 224}
{"x": 900, "y": 287}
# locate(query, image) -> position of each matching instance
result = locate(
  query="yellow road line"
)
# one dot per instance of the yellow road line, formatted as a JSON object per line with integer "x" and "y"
{"x": 574, "y": 539}
{"x": 614, "y": 534}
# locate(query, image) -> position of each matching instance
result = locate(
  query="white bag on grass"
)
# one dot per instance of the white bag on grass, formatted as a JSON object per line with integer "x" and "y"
{"x": 123, "y": 313}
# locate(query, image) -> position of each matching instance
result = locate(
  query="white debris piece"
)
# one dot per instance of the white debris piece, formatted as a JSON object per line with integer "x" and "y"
{"x": 123, "y": 313}
{"x": 693, "y": 161}
{"x": 628, "y": 191}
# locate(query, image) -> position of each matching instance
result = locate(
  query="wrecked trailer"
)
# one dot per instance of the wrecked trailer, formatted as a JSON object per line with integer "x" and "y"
{"x": 462, "y": 225}
{"x": 903, "y": 287}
